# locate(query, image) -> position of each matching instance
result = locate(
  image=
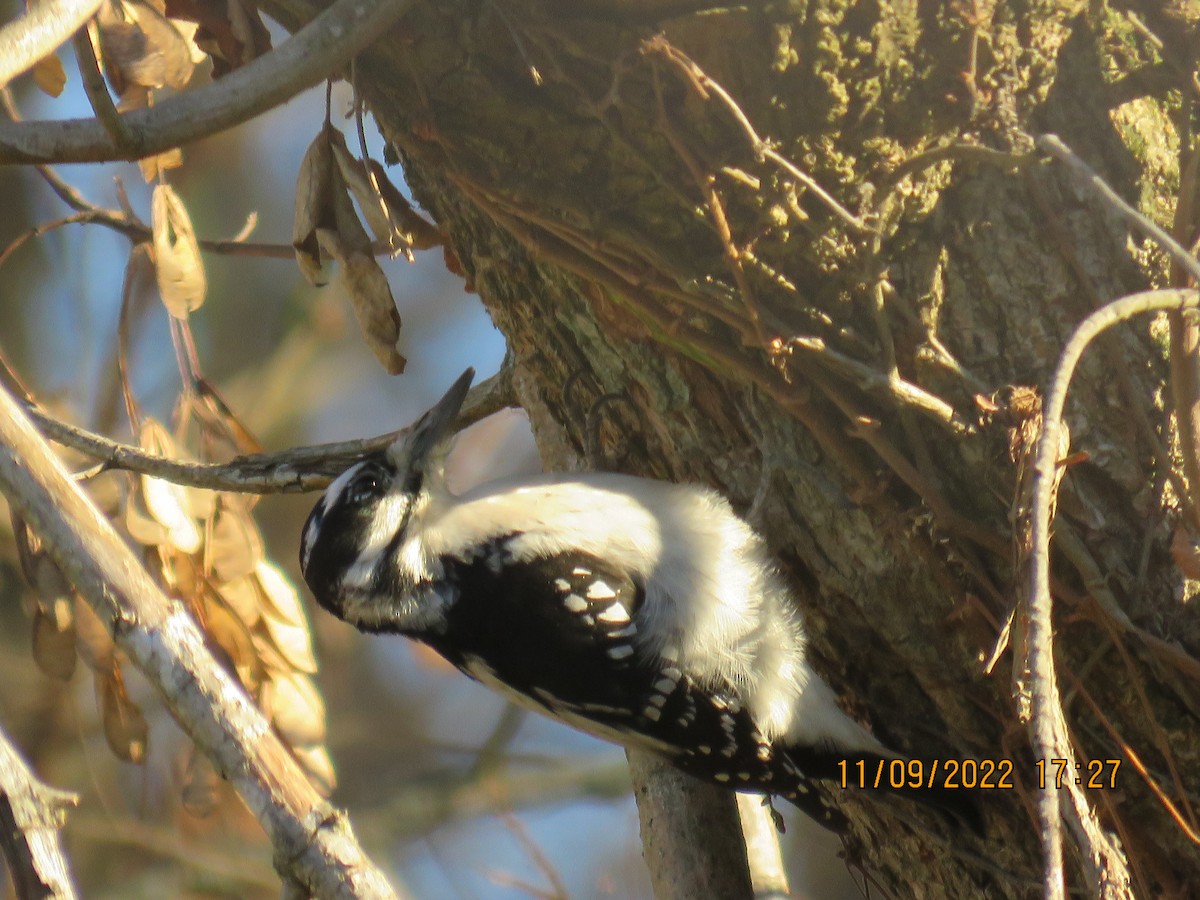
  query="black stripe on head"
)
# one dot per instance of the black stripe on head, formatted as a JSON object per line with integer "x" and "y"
{"x": 337, "y": 529}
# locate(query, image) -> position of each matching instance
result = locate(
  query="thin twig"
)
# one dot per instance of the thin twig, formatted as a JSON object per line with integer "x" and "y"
{"x": 1185, "y": 381}
{"x": 318, "y": 50}
{"x": 707, "y": 184}
{"x": 31, "y": 817}
{"x": 761, "y": 148}
{"x": 904, "y": 393}
{"x": 1047, "y": 724}
{"x": 1185, "y": 344}
{"x": 1051, "y": 144}
{"x": 95, "y": 88}
{"x": 286, "y": 471}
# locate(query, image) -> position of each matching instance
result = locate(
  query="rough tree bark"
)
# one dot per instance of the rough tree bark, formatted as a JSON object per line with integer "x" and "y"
{"x": 629, "y": 237}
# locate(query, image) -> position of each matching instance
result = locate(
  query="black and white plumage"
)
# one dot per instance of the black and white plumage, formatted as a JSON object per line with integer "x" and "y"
{"x": 640, "y": 611}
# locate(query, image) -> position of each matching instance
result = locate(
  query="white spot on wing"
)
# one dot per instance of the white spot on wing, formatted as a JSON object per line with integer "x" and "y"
{"x": 600, "y": 590}
{"x": 575, "y": 603}
{"x": 616, "y": 612}
{"x": 621, "y": 651}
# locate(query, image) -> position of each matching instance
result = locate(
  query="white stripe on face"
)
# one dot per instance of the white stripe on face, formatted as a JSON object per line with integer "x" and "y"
{"x": 327, "y": 502}
{"x": 386, "y": 523}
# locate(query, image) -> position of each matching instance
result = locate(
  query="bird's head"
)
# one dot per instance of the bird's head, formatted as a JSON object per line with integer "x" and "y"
{"x": 352, "y": 550}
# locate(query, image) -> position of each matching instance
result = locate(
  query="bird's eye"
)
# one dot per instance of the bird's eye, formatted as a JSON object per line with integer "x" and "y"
{"x": 368, "y": 485}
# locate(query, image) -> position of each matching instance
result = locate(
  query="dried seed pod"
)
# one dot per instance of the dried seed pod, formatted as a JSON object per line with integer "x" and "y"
{"x": 125, "y": 727}
{"x": 200, "y": 785}
{"x": 54, "y": 637}
{"x": 94, "y": 643}
{"x": 295, "y": 708}
{"x": 236, "y": 546}
{"x": 285, "y": 620}
{"x": 319, "y": 767}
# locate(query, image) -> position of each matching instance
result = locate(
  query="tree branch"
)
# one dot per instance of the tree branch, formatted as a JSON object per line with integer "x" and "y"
{"x": 31, "y": 815}
{"x": 38, "y": 33}
{"x": 286, "y": 471}
{"x": 691, "y": 836}
{"x": 1103, "y": 859}
{"x": 767, "y": 872}
{"x": 315, "y": 849}
{"x": 313, "y": 54}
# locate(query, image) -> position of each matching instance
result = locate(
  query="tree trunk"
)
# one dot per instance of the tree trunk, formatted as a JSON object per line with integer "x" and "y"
{"x": 854, "y": 361}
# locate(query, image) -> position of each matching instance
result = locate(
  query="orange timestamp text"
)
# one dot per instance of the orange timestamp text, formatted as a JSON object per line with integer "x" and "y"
{"x": 972, "y": 774}
{"x": 944, "y": 774}
{"x": 1094, "y": 774}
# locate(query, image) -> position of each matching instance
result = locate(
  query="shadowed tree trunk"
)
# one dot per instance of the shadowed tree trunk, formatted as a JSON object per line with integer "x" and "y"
{"x": 802, "y": 245}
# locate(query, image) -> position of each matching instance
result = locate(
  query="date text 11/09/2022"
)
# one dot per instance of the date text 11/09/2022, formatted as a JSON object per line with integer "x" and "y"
{"x": 972, "y": 774}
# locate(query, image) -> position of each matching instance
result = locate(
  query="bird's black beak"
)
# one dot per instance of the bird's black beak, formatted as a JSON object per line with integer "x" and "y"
{"x": 435, "y": 427}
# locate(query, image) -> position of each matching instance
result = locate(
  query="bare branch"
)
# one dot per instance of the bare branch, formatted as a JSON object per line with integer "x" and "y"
{"x": 762, "y": 149}
{"x": 43, "y": 28}
{"x": 1184, "y": 389}
{"x": 691, "y": 835}
{"x": 313, "y": 54}
{"x": 767, "y": 872}
{"x": 286, "y": 471}
{"x": 1103, "y": 859}
{"x": 31, "y": 815}
{"x": 315, "y": 850}
{"x": 95, "y": 88}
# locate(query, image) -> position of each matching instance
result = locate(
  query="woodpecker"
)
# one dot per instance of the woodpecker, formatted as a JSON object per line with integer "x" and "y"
{"x": 639, "y": 611}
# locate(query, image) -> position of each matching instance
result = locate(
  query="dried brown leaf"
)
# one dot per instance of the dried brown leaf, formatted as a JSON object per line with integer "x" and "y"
{"x": 230, "y": 634}
{"x": 316, "y": 763}
{"x": 372, "y": 203}
{"x": 142, "y": 527}
{"x": 293, "y": 644}
{"x": 166, "y": 504}
{"x": 54, "y": 637}
{"x": 48, "y": 580}
{"x": 285, "y": 620}
{"x": 314, "y": 205}
{"x": 177, "y": 263}
{"x": 366, "y": 285}
{"x": 95, "y": 643}
{"x": 283, "y": 601}
{"x": 422, "y": 234}
{"x": 326, "y": 224}
{"x": 49, "y": 75}
{"x": 200, "y": 786}
{"x": 235, "y": 547}
{"x": 230, "y": 31}
{"x": 201, "y": 504}
{"x": 140, "y": 46}
{"x": 180, "y": 574}
{"x": 242, "y": 597}
{"x": 164, "y": 501}
{"x": 295, "y": 707}
{"x": 125, "y": 727}
{"x": 29, "y": 548}
{"x": 154, "y": 166}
